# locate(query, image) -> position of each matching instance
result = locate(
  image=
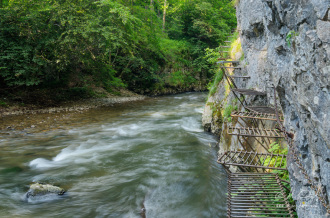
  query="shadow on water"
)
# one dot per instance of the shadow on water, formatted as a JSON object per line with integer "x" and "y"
{"x": 144, "y": 159}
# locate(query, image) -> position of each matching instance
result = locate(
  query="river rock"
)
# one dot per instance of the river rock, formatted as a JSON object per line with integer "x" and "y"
{"x": 39, "y": 190}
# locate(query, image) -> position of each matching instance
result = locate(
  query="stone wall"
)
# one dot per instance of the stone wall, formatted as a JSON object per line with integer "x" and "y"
{"x": 286, "y": 43}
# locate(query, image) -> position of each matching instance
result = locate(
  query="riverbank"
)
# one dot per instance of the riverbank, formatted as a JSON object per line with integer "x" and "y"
{"x": 72, "y": 106}
{"x": 31, "y": 118}
{"x": 43, "y": 101}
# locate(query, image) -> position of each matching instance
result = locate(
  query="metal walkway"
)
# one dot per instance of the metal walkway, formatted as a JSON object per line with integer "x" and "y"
{"x": 261, "y": 109}
{"x": 244, "y": 77}
{"x": 231, "y": 67}
{"x": 255, "y": 132}
{"x": 255, "y": 115}
{"x": 248, "y": 92}
{"x": 252, "y": 160}
{"x": 256, "y": 195}
{"x": 228, "y": 62}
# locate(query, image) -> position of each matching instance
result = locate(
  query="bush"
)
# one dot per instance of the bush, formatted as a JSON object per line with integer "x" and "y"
{"x": 227, "y": 112}
{"x": 212, "y": 87}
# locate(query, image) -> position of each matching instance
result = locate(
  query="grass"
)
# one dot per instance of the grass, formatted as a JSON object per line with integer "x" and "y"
{"x": 227, "y": 111}
{"x": 3, "y": 104}
{"x": 235, "y": 2}
{"x": 214, "y": 84}
{"x": 236, "y": 47}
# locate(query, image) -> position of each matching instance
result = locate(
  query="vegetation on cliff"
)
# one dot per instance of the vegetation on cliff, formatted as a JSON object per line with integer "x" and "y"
{"x": 70, "y": 47}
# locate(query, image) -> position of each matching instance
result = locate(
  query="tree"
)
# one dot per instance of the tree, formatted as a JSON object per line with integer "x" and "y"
{"x": 164, "y": 14}
{"x": 109, "y": 43}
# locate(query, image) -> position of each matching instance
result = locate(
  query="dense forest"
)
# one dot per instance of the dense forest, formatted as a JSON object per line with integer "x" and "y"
{"x": 71, "y": 47}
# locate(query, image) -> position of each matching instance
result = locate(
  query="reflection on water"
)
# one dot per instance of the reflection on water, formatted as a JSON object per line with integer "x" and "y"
{"x": 114, "y": 161}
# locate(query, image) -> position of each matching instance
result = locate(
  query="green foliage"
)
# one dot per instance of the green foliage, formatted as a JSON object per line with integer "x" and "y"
{"x": 201, "y": 21}
{"x": 212, "y": 56}
{"x": 236, "y": 46}
{"x": 277, "y": 148}
{"x": 212, "y": 86}
{"x": 235, "y": 2}
{"x": 3, "y": 104}
{"x": 109, "y": 43}
{"x": 290, "y": 36}
{"x": 227, "y": 112}
{"x": 181, "y": 79}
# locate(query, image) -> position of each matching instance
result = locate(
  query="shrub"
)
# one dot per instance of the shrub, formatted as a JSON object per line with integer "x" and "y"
{"x": 212, "y": 87}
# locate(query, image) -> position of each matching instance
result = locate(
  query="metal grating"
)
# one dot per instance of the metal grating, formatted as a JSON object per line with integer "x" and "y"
{"x": 252, "y": 159}
{"x": 256, "y": 115}
{"x": 262, "y": 109}
{"x": 257, "y": 195}
{"x": 225, "y": 47}
{"x": 248, "y": 92}
{"x": 244, "y": 77}
{"x": 255, "y": 132}
{"x": 231, "y": 67}
{"x": 228, "y": 62}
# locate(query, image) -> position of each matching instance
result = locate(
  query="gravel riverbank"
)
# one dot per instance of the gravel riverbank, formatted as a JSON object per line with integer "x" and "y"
{"x": 35, "y": 119}
{"x": 68, "y": 107}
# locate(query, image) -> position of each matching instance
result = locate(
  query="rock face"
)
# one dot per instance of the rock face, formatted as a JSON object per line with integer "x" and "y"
{"x": 286, "y": 43}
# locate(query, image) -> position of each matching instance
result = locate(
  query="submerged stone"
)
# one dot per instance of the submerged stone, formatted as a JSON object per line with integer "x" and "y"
{"x": 38, "y": 189}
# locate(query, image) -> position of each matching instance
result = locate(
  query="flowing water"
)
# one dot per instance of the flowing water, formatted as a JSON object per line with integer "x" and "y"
{"x": 114, "y": 161}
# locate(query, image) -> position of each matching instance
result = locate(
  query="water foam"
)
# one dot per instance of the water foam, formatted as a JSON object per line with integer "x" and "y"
{"x": 89, "y": 151}
{"x": 191, "y": 125}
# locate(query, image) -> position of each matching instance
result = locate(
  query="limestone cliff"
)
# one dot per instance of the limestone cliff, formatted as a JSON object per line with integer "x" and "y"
{"x": 286, "y": 43}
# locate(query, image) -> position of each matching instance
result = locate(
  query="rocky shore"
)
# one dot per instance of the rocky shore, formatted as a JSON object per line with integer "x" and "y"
{"x": 77, "y": 106}
{"x": 29, "y": 119}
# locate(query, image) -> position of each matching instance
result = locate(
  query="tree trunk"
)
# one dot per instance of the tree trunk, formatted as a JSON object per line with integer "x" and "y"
{"x": 152, "y": 5}
{"x": 152, "y": 9}
{"x": 164, "y": 14}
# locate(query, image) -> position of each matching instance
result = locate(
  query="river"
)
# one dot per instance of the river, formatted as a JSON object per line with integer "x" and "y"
{"x": 114, "y": 161}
